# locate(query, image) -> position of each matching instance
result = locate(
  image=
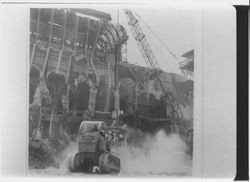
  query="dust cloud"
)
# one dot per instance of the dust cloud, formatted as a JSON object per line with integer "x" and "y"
{"x": 158, "y": 154}
{"x": 66, "y": 157}
{"x": 63, "y": 162}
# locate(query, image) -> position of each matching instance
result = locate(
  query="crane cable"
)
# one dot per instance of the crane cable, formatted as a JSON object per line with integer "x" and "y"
{"x": 163, "y": 44}
{"x": 170, "y": 52}
{"x": 159, "y": 39}
{"x": 163, "y": 55}
{"x": 148, "y": 27}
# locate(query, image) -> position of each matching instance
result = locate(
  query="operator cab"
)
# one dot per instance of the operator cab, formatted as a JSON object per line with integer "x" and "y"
{"x": 91, "y": 126}
{"x": 90, "y": 140}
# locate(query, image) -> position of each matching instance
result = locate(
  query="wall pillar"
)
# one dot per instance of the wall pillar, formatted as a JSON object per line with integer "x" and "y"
{"x": 92, "y": 101}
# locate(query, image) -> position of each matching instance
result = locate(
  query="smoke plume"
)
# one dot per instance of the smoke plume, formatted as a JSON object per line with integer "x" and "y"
{"x": 146, "y": 154}
{"x": 158, "y": 154}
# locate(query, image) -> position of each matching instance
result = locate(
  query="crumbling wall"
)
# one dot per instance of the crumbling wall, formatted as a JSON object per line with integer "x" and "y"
{"x": 66, "y": 44}
{"x": 70, "y": 51}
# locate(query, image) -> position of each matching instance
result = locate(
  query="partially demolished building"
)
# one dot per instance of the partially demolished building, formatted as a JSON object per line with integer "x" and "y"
{"x": 73, "y": 57}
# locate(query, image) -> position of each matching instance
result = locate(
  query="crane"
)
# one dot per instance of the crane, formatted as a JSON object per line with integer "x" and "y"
{"x": 175, "y": 112}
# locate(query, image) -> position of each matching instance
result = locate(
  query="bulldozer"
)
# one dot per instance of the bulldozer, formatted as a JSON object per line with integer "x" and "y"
{"x": 95, "y": 148}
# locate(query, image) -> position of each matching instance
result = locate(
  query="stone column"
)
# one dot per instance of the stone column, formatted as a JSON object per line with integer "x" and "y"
{"x": 92, "y": 100}
{"x": 107, "y": 99}
{"x": 41, "y": 93}
{"x": 54, "y": 128}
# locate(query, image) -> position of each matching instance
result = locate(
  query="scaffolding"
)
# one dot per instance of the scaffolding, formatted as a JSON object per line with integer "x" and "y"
{"x": 187, "y": 66}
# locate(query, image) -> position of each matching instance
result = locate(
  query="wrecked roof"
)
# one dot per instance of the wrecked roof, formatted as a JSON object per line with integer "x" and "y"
{"x": 94, "y": 13}
{"x": 188, "y": 54}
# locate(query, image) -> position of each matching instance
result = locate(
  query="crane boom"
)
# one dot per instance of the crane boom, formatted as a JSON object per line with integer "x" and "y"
{"x": 150, "y": 60}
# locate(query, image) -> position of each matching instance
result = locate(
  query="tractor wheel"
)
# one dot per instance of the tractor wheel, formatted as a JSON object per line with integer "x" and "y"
{"x": 77, "y": 162}
{"x": 109, "y": 163}
{"x": 71, "y": 164}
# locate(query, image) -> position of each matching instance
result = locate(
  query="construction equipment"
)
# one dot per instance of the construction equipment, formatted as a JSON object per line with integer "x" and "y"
{"x": 94, "y": 151}
{"x": 174, "y": 112}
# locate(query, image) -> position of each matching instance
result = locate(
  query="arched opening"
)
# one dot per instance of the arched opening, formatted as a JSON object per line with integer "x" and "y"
{"x": 157, "y": 108}
{"x": 34, "y": 80}
{"x": 102, "y": 97}
{"x": 57, "y": 87}
{"x": 127, "y": 94}
{"x": 79, "y": 97}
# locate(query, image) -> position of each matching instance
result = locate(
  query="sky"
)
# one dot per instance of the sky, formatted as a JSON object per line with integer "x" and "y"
{"x": 174, "y": 26}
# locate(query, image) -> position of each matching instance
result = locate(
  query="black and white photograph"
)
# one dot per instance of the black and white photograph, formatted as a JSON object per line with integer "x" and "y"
{"x": 111, "y": 91}
{"x": 119, "y": 90}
